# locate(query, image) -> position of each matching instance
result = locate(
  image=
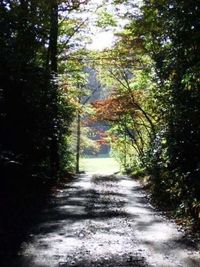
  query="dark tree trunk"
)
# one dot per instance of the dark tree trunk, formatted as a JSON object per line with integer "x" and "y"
{"x": 53, "y": 40}
{"x": 53, "y": 68}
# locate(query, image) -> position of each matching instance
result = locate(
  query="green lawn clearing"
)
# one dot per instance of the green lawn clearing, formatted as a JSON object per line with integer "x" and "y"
{"x": 99, "y": 165}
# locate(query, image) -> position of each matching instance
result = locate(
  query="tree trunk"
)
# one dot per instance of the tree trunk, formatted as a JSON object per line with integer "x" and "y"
{"x": 78, "y": 142}
{"x": 53, "y": 68}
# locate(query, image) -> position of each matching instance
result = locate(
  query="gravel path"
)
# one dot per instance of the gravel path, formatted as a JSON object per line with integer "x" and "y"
{"x": 105, "y": 221}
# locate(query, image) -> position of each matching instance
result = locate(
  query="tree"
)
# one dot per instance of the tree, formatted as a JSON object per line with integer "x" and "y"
{"x": 163, "y": 29}
{"x": 35, "y": 113}
{"x": 126, "y": 74}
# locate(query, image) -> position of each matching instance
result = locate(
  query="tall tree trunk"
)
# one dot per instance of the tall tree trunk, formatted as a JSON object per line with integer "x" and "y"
{"x": 53, "y": 68}
{"x": 78, "y": 143}
{"x": 53, "y": 40}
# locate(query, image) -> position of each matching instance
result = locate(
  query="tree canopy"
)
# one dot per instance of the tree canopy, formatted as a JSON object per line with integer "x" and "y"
{"x": 150, "y": 77}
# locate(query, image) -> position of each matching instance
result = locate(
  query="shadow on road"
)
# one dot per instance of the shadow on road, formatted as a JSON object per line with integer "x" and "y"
{"x": 103, "y": 221}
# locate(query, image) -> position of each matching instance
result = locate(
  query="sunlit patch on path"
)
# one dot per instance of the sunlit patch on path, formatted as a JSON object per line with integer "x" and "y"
{"x": 104, "y": 221}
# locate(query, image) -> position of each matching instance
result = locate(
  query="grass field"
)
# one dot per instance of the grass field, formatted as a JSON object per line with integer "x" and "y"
{"x": 99, "y": 165}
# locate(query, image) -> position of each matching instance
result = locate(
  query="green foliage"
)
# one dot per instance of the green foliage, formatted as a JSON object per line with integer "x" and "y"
{"x": 168, "y": 33}
{"x": 106, "y": 19}
{"x": 156, "y": 64}
{"x": 36, "y": 112}
{"x": 152, "y": 74}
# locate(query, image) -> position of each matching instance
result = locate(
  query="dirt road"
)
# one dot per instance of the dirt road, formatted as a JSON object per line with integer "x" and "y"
{"x": 105, "y": 221}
